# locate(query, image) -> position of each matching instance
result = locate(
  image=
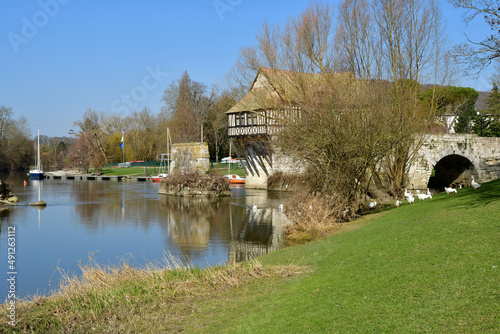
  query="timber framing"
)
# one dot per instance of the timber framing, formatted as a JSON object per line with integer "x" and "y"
{"x": 259, "y": 116}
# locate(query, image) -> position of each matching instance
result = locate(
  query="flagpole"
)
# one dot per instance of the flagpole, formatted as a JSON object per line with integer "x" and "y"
{"x": 122, "y": 145}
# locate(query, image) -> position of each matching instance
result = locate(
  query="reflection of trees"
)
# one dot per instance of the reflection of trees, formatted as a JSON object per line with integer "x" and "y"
{"x": 190, "y": 222}
{"x": 100, "y": 203}
{"x": 5, "y": 211}
{"x": 91, "y": 203}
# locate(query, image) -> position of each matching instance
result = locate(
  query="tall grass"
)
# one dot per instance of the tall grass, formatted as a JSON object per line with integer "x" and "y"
{"x": 312, "y": 217}
{"x": 121, "y": 299}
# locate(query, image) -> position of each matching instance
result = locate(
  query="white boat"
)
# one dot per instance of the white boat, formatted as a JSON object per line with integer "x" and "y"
{"x": 232, "y": 178}
{"x": 37, "y": 173}
{"x": 163, "y": 172}
{"x": 164, "y": 162}
{"x": 157, "y": 178}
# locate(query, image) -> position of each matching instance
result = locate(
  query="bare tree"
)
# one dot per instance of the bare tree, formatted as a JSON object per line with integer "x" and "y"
{"x": 352, "y": 127}
{"x": 186, "y": 103}
{"x": 411, "y": 37}
{"x": 141, "y": 131}
{"x": 215, "y": 125}
{"x": 94, "y": 138}
{"x": 357, "y": 43}
{"x": 477, "y": 55}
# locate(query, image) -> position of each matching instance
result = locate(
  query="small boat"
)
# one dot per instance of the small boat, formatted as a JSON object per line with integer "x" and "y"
{"x": 37, "y": 173}
{"x": 164, "y": 162}
{"x": 234, "y": 179}
{"x": 163, "y": 172}
{"x": 157, "y": 178}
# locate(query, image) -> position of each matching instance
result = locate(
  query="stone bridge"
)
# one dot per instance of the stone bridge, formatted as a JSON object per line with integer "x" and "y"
{"x": 443, "y": 160}
{"x": 451, "y": 159}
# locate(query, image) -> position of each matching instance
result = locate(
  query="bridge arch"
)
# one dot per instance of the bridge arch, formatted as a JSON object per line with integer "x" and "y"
{"x": 451, "y": 170}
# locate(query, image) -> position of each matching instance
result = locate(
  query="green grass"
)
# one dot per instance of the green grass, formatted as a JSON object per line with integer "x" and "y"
{"x": 139, "y": 171}
{"x": 129, "y": 171}
{"x": 431, "y": 267}
{"x": 223, "y": 169}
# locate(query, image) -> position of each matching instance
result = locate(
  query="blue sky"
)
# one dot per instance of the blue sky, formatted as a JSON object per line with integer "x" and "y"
{"x": 59, "y": 58}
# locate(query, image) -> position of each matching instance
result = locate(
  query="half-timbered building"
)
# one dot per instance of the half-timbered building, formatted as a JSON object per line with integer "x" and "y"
{"x": 258, "y": 117}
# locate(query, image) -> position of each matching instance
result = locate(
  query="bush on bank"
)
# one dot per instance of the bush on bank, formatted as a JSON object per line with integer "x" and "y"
{"x": 194, "y": 184}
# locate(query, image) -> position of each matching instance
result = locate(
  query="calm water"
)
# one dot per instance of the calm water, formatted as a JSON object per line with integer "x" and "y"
{"x": 129, "y": 221}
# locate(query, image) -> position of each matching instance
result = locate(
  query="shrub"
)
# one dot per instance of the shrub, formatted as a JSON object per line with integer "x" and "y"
{"x": 314, "y": 216}
{"x": 282, "y": 181}
{"x": 210, "y": 182}
{"x": 5, "y": 190}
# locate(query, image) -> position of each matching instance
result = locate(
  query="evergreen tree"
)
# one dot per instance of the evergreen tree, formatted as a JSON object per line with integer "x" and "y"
{"x": 487, "y": 122}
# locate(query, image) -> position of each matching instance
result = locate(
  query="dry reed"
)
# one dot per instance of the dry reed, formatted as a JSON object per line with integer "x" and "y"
{"x": 314, "y": 216}
{"x": 120, "y": 298}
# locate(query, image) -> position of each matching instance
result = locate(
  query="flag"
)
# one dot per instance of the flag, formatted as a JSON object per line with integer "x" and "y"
{"x": 121, "y": 144}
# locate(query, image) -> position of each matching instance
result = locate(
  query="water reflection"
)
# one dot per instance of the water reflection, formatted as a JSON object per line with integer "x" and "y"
{"x": 193, "y": 222}
{"x": 120, "y": 218}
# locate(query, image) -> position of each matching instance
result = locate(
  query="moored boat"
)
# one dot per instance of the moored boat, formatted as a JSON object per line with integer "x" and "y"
{"x": 37, "y": 172}
{"x": 234, "y": 179}
{"x": 157, "y": 178}
{"x": 164, "y": 162}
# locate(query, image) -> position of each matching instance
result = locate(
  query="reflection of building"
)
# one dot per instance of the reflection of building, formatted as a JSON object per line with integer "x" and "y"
{"x": 190, "y": 232}
{"x": 188, "y": 222}
{"x": 261, "y": 233}
{"x": 202, "y": 224}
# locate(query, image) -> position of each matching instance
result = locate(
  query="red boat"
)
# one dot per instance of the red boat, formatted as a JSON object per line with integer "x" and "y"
{"x": 164, "y": 166}
{"x": 157, "y": 178}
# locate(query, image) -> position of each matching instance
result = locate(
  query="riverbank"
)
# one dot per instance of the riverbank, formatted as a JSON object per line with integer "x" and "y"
{"x": 428, "y": 267}
{"x": 135, "y": 172}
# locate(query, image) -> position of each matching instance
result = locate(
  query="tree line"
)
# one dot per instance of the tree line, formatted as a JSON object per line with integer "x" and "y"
{"x": 191, "y": 111}
{"x": 18, "y": 147}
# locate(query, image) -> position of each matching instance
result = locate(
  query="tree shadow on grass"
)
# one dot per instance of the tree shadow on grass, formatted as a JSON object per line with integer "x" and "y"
{"x": 486, "y": 194}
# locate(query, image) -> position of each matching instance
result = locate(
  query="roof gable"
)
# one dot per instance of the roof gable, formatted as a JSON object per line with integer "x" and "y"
{"x": 272, "y": 86}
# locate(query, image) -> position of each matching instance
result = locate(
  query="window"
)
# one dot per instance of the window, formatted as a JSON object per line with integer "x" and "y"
{"x": 240, "y": 120}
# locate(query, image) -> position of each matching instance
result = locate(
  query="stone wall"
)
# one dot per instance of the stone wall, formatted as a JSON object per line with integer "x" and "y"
{"x": 190, "y": 157}
{"x": 281, "y": 163}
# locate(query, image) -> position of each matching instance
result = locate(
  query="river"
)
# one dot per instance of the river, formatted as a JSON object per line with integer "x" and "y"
{"x": 127, "y": 221}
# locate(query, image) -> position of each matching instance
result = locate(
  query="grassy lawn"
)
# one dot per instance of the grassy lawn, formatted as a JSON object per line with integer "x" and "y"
{"x": 223, "y": 169}
{"x": 138, "y": 171}
{"x": 128, "y": 171}
{"x": 219, "y": 168}
{"x": 430, "y": 267}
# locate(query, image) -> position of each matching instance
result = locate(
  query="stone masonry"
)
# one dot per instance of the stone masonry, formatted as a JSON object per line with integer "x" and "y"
{"x": 190, "y": 157}
{"x": 483, "y": 153}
